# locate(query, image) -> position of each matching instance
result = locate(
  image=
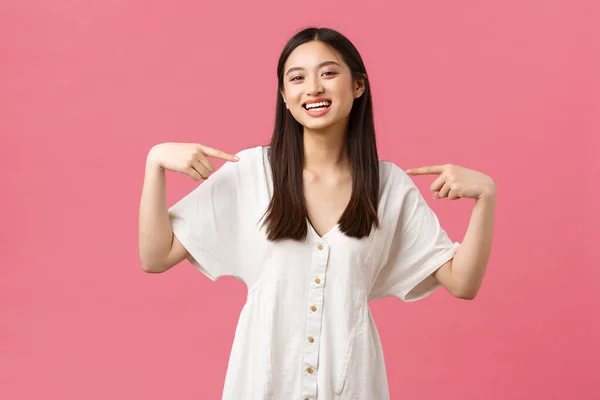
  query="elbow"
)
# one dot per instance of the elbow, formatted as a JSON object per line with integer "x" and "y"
{"x": 152, "y": 267}
{"x": 466, "y": 296}
{"x": 466, "y": 293}
{"x": 152, "y": 270}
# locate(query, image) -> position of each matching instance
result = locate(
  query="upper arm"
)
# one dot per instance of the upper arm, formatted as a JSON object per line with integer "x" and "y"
{"x": 177, "y": 254}
{"x": 444, "y": 276}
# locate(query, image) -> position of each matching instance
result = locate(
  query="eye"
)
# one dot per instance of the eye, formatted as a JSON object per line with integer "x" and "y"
{"x": 329, "y": 73}
{"x": 295, "y": 78}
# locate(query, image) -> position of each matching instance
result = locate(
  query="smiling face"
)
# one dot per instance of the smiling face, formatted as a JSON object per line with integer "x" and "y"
{"x": 318, "y": 86}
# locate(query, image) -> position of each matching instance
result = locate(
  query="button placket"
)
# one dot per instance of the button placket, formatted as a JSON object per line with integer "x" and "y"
{"x": 314, "y": 318}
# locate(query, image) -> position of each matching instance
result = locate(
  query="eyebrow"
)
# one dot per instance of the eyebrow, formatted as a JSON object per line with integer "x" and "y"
{"x": 323, "y": 64}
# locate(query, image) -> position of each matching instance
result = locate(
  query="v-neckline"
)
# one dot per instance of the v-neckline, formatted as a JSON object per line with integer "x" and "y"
{"x": 330, "y": 232}
{"x": 326, "y": 234}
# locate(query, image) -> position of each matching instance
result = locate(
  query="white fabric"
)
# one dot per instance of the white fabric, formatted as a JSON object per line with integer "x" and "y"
{"x": 218, "y": 223}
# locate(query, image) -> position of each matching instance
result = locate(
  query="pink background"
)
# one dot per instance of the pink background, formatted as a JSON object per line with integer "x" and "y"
{"x": 86, "y": 88}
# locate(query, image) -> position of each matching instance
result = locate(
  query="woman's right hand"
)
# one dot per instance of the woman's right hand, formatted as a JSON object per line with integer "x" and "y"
{"x": 187, "y": 158}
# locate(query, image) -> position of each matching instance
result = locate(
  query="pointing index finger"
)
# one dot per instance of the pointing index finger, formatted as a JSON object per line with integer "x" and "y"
{"x": 429, "y": 170}
{"x": 209, "y": 151}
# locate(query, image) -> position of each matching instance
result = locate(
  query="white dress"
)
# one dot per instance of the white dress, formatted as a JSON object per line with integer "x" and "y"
{"x": 306, "y": 331}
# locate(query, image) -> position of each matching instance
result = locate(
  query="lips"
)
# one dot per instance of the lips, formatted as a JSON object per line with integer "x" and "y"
{"x": 317, "y": 104}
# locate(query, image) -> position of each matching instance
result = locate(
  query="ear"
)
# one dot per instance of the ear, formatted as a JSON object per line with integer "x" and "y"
{"x": 359, "y": 87}
{"x": 282, "y": 93}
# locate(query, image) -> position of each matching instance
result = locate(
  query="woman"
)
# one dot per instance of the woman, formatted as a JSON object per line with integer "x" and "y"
{"x": 316, "y": 226}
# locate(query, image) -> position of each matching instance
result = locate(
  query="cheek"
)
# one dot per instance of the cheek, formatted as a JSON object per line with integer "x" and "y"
{"x": 293, "y": 94}
{"x": 345, "y": 101}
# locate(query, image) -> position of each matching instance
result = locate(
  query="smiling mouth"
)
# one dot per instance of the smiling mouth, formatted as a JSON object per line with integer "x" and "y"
{"x": 322, "y": 105}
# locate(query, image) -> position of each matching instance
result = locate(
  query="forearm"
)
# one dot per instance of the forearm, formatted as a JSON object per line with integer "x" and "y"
{"x": 155, "y": 232}
{"x": 471, "y": 258}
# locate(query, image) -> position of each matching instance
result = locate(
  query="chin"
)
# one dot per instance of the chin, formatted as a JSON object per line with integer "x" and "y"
{"x": 317, "y": 125}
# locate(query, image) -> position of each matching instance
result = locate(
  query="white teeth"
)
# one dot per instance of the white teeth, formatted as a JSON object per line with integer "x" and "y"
{"x": 317, "y": 105}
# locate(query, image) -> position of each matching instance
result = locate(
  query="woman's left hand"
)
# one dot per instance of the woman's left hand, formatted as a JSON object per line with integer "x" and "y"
{"x": 455, "y": 182}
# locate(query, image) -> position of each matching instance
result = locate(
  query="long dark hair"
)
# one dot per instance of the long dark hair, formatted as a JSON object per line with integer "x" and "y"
{"x": 286, "y": 216}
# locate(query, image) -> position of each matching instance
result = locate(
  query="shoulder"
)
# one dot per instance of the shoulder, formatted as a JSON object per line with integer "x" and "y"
{"x": 249, "y": 173}
{"x": 251, "y": 155}
{"x": 392, "y": 176}
{"x": 400, "y": 196}
{"x": 251, "y": 161}
{"x": 397, "y": 188}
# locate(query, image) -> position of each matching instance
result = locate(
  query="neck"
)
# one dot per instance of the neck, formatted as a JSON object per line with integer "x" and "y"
{"x": 326, "y": 149}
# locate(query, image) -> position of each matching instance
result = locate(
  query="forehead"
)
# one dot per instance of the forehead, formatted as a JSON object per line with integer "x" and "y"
{"x": 311, "y": 54}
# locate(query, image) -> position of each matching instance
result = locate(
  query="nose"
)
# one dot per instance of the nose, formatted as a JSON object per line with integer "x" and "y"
{"x": 314, "y": 86}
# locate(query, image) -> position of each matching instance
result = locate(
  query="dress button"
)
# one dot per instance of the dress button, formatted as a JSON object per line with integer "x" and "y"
{"x": 320, "y": 247}
{"x": 309, "y": 370}
{"x": 311, "y": 339}
{"x": 313, "y": 308}
{"x": 317, "y": 281}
